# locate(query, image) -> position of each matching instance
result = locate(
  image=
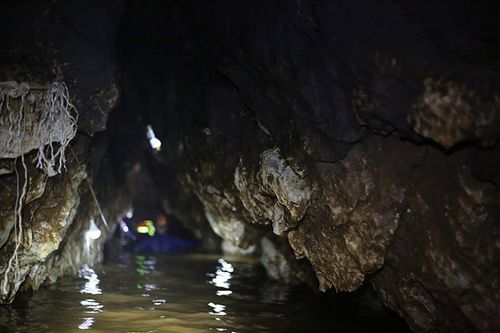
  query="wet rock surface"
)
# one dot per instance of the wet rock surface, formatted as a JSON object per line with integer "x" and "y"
{"x": 55, "y": 217}
{"x": 44, "y": 42}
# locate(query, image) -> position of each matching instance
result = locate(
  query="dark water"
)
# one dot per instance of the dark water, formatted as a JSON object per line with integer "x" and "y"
{"x": 190, "y": 293}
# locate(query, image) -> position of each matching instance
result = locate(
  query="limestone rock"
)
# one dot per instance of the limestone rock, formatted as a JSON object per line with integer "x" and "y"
{"x": 276, "y": 194}
{"x": 450, "y": 113}
{"x": 45, "y": 223}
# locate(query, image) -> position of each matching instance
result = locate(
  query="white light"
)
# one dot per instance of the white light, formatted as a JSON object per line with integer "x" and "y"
{"x": 93, "y": 232}
{"x": 153, "y": 140}
{"x": 149, "y": 132}
{"x": 130, "y": 213}
{"x": 124, "y": 226}
{"x": 155, "y": 143}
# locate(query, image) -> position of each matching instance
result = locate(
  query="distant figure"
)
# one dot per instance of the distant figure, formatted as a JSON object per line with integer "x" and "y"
{"x": 161, "y": 242}
{"x": 161, "y": 224}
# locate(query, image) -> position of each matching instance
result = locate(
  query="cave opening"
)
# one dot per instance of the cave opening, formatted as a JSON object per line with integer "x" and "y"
{"x": 249, "y": 166}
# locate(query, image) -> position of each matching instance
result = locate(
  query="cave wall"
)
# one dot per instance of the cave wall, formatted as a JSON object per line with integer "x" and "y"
{"x": 43, "y": 42}
{"x": 362, "y": 136}
{"x": 69, "y": 41}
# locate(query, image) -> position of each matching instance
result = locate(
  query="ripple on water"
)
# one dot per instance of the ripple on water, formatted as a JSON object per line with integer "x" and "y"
{"x": 196, "y": 293}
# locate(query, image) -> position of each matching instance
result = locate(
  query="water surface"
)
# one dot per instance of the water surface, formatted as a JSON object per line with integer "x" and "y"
{"x": 188, "y": 293}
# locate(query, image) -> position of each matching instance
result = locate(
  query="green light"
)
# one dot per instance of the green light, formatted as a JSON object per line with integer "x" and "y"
{"x": 142, "y": 229}
{"x": 151, "y": 227}
{"x": 146, "y": 227}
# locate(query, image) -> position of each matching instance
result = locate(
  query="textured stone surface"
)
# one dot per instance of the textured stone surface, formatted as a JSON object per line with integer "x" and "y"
{"x": 219, "y": 208}
{"x": 53, "y": 40}
{"x": 56, "y": 215}
{"x": 277, "y": 193}
{"x": 450, "y": 113}
{"x": 36, "y": 119}
{"x": 43, "y": 42}
{"x": 450, "y": 267}
{"x": 349, "y": 225}
{"x": 277, "y": 259}
{"x": 48, "y": 211}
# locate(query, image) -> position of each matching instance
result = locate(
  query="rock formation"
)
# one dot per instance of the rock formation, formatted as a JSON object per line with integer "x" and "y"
{"x": 47, "y": 42}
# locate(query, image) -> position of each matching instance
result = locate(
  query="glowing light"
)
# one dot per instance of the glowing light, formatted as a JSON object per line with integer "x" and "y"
{"x": 93, "y": 232}
{"x": 155, "y": 143}
{"x": 153, "y": 140}
{"x": 142, "y": 229}
{"x": 125, "y": 228}
{"x": 130, "y": 213}
{"x": 146, "y": 227}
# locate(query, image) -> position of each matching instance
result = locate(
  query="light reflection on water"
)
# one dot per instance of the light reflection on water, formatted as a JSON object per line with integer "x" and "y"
{"x": 91, "y": 305}
{"x": 145, "y": 265}
{"x": 192, "y": 293}
{"x": 221, "y": 277}
{"x": 218, "y": 309}
{"x": 87, "y": 323}
{"x": 91, "y": 287}
{"x": 92, "y": 284}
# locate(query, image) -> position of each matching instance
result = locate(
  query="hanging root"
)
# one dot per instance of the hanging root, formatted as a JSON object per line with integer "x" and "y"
{"x": 56, "y": 125}
{"x": 46, "y": 113}
{"x": 13, "y": 263}
{"x": 9, "y": 91}
{"x": 92, "y": 192}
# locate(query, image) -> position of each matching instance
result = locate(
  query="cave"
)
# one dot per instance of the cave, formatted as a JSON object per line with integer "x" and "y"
{"x": 249, "y": 166}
